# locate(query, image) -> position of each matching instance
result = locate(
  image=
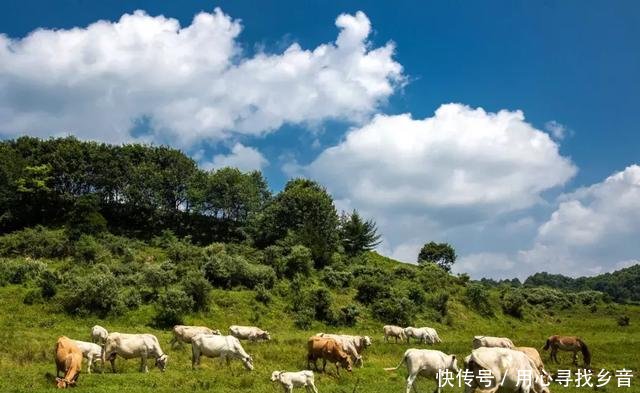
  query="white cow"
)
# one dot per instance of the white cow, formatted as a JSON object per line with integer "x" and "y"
{"x": 423, "y": 335}
{"x": 352, "y": 345}
{"x": 90, "y": 351}
{"x": 507, "y": 368}
{"x": 492, "y": 342}
{"x": 99, "y": 334}
{"x": 185, "y": 333}
{"x": 290, "y": 380}
{"x": 250, "y": 333}
{"x": 224, "y": 347}
{"x": 131, "y": 346}
{"x": 428, "y": 363}
{"x": 393, "y": 331}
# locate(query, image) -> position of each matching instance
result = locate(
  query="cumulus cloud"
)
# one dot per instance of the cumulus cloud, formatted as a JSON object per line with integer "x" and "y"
{"x": 242, "y": 157}
{"x": 557, "y": 130}
{"x": 189, "y": 83}
{"x": 425, "y": 179}
{"x": 593, "y": 229}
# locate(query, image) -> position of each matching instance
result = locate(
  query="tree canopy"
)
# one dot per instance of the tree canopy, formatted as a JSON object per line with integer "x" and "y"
{"x": 442, "y": 254}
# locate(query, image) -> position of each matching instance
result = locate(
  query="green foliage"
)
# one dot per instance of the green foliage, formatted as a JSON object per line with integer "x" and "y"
{"x": 263, "y": 295}
{"x": 623, "y": 320}
{"x": 478, "y": 298}
{"x": 349, "y": 315}
{"x": 299, "y": 261}
{"x": 85, "y": 217}
{"x": 370, "y": 290}
{"x": 513, "y": 302}
{"x": 226, "y": 271}
{"x": 397, "y": 310}
{"x": 442, "y": 254}
{"x": 89, "y": 250}
{"x": 439, "y": 301}
{"x": 33, "y": 296}
{"x": 357, "y": 235}
{"x": 97, "y": 291}
{"x": 336, "y": 278}
{"x": 48, "y": 283}
{"x": 197, "y": 288}
{"x": 20, "y": 271}
{"x": 322, "y": 301}
{"x": 36, "y": 242}
{"x": 171, "y": 308}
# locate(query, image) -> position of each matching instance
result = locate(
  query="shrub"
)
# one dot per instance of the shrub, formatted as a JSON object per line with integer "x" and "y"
{"x": 417, "y": 296}
{"x": 33, "y": 296}
{"x": 262, "y": 294}
{"x": 156, "y": 277}
{"x": 85, "y": 218}
{"x": 623, "y": 320}
{"x": 274, "y": 256}
{"x": 336, "y": 278}
{"x": 89, "y": 250}
{"x": 97, "y": 292}
{"x": 20, "y": 271}
{"x": 132, "y": 298}
{"x": 404, "y": 272}
{"x": 512, "y": 303}
{"x": 397, "y": 311}
{"x": 548, "y": 297}
{"x": 172, "y": 305}
{"x": 37, "y": 242}
{"x": 299, "y": 261}
{"x": 477, "y": 298}
{"x": 48, "y": 282}
{"x": 179, "y": 250}
{"x": 349, "y": 315}
{"x": 197, "y": 288}
{"x": 322, "y": 301}
{"x": 370, "y": 290}
{"x": 439, "y": 302}
{"x": 225, "y": 271}
{"x": 304, "y": 318}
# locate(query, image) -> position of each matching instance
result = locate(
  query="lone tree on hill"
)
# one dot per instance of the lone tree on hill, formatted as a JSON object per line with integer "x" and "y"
{"x": 358, "y": 235}
{"x": 442, "y": 254}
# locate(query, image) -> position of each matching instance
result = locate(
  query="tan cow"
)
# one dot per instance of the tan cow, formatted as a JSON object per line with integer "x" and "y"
{"x": 327, "y": 349}
{"x": 534, "y": 355}
{"x": 185, "y": 333}
{"x": 69, "y": 361}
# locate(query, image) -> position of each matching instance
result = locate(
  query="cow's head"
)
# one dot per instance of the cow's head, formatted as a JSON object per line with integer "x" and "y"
{"x": 248, "y": 362}
{"x": 161, "y": 362}
{"x": 345, "y": 360}
{"x": 63, "y": 383}
{"x": 276, "y": 375}
{"x": 217, "y": 332}
{"x": 366, "y": 340}
{"x": 265, "y": 335}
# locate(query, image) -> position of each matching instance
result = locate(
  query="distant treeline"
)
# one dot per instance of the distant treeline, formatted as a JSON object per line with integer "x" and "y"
{"x": 621, "y": 286}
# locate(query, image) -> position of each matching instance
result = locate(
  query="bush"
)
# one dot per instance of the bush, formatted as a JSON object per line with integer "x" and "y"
{"x": 97, "y": 292}
{"x": 335, "y": 278}
{"x": 37, "y": 242}
{"x": 477, "y": 297}
{"x": 299, "y": 261}
{"x": 439, "y": 301}
{"x": 225, "y": 271}
{"x": 263, "y": 295}
{"x": 132, "y": 298}
{"x": 322, "y": 301}
{"x": 48, "y": 282}
{"x": 548, "y": 297}
{"x": 197, "y": 288}
{"x": 155, "y": 278}
{"x": 304, "y": 318}
{"x": 179, "y": 250}
{"x": 88, "y": 249}
{"x": 623, "y": 320}
{"x": 33, "y": 296}
{"x": 172, "y": 305}
{"x": 349, "y": 315}
{"x": 417, "y": 296}
{"x": 274, "y": 256}
{"x": 512, "y": 303}
{"x": 20, "y": 271}
{"x": 397, "y": 311}
{"x": 370, "y": 290}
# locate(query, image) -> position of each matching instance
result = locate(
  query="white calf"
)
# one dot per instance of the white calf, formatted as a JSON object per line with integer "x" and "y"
{"x": 99, "y": 334}
{"x": 90, "y": 351}
{"x": 428, "y": 363}
{"x": 290, "y": 380}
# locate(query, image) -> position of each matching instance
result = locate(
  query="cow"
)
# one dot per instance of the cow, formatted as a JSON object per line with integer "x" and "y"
{"x": 224, "y": 347}
{"x": 68, "y": 361}
{"x": 290, "y": 380}
{"x": 352, "y": 345}
{"x": 423, "y": 335}
{"x": 250, "y": 333}
{"x": 99, "y": 334}
{"x": 492, "y": 342}
{"x": 90, "y": 351}
{"x": 393, "y": 331}
{"x": 184, "y": 333}
{"x": 428, "y": 363}
{"x": 131, "y": 346}
{"x": 506, "y": 368}
{"x": 327, "y": 349}
{"x": 537, "y": 360}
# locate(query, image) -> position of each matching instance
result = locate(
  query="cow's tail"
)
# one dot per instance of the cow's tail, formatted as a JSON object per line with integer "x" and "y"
{"x": 586, "y": 354}
{"x": 402, "y": 361}
{"x": 547, "y": 345}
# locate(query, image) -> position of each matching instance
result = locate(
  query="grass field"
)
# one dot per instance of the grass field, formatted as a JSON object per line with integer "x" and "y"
{"x": 28, "y": 333}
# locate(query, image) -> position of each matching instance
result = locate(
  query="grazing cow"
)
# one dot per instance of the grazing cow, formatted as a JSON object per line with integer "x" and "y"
{"x": 99, "y": 334}
{"x": 537, "y": 360}
{"x": 352, "y": 345}
{"x": 224, "y": 347}
{"x": 250, "y": 333}
{"x": 184, "y": 333}
{"x": 290, "y": 380}
{"x": 393, "y": 331}
{"x": 425, "y": 335}
{"x": 327, "y": 349}
{"x": 507, "y": 368}
{"x": 131, "y": 346}
{"x": 492, "y": 342}
{"x": 68, "y": 361}
{"x": 90, "y": 351}
{"x": 428, "y": 363}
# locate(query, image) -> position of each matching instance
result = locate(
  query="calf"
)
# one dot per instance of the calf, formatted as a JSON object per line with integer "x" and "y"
{"x": 327, "y": 349}
{"x": 90, "y": 351}
{"x": 99, "y": 334}
{"x": 428, "y": 363}
{"x": 250, "y": 333}
{"x": 68, "y": 361}
{"x": 290, "y": 380}
{"x": 393, "y": 331}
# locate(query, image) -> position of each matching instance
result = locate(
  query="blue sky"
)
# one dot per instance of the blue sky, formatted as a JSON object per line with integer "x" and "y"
{"x": 568, "y": 66}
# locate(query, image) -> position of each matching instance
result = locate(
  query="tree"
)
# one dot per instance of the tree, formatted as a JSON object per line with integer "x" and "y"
{"x": 442, "y": 254}
{"x": 357, "y": 235}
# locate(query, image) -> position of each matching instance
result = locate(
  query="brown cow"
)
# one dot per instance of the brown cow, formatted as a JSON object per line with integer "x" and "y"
{"x": 327, "y": 349}
{"x": 534, "y": 355}
{"x": 69, "y": 361}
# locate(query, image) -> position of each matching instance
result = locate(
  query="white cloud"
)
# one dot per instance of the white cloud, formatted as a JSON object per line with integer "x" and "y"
{"x": 594, "y": 229}
{"x": 192, "y": 83}
{"x": 450, "y": 177}
{"x": 557, "y": 130}
{"x": 241, "y": 157}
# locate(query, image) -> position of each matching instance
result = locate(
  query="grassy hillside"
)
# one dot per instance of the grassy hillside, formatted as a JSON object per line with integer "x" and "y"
{"x": 28, "y": 332}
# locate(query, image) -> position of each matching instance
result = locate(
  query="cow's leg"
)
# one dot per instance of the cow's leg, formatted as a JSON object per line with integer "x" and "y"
{"x": 288, "y": 388}
{"x": 143, "y": 364}
{"x": 324, "y": 364}
{"x": 554, "y": 354}
{"x": 313, "y": 387}
{"x": 337, "y": 369}
{"x": 410, "y": 380}
{"x": 112, "y": 359}
{"x": 89, "y": 363}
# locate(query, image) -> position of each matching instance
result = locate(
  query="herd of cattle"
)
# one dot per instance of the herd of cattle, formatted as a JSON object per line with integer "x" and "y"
{"x": 497, "y": 355}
